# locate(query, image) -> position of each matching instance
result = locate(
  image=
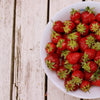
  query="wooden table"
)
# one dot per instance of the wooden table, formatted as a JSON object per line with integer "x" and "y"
{"x": 22, "y": 23}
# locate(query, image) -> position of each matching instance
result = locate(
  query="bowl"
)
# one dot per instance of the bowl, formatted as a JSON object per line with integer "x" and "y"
{"x": 63, "y": 15}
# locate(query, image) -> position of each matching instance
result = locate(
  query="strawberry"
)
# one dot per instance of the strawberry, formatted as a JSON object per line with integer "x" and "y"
{"x": 58, "y": 52}
{"x": 76, "y": 67}
{"x": 85, "y": 85}
{"x": 77, "y": 22}
{"x": 72, "y": 46}
{"x": 73, "y": 58}
{"x": 95, "y": 78}
{"x": 52, "y": 61}
{"x": 71, "y": 67}
{"x": 94, "y": 26}
{"x": 98, "y": 17}
{"x": 65, "y": 63}
{"x": 89, "y": 54}
{"x": 82, "y": 28}
{"x": 64, "y": 53}
{"x": 97, "y": 58}
{"x": 58, "y": 26}
{"x": 96, "y": 46}
{"x": 70, "y": 85}
{"x": 90, "y": 66}
{"x": 81, "y": 59}
{"x": 87, "y": 75}
{"x": 77, "y": 76}
{"x": 74, "y": 36}
{"x": 69, "y": 26}
{"x": 62, "y": 73}
{"x": 50, "y": 47}
{"x": 97, "y": 34}
{"x": 64, "y": 36}
{"x": 75, "y": 16}
{"x": 92, "y": 34}
{"x": 61, "y": 44}
{"x": 86, "y": 42}
{"x": 55, "y": 37}
{"x": 96, "y": 82}
{"x": 88, "y": 16}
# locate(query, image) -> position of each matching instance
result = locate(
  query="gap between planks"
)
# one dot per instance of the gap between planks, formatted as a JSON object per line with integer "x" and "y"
{"x": 46, "y": 78}
{"x": 13, "y": 51}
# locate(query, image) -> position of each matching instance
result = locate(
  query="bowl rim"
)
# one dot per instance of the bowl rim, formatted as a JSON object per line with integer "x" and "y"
{"x": 41, "y": 42}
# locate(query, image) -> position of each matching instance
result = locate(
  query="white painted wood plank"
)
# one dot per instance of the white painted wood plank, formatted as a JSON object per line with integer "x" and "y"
{"x": 53, "y": 92}
{"x": 29, "y": 77}
{"x": 93, "y": 0}
{"x": 6, "y": 27}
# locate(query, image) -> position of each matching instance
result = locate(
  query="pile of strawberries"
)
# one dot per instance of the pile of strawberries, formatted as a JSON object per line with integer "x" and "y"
{"x": 74, "y": 50}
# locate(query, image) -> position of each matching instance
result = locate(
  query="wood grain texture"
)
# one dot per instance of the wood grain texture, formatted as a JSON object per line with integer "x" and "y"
{"x": 53, "y": 92}
{"x": 6, "y": 28}
{"x": 29, "y": 77}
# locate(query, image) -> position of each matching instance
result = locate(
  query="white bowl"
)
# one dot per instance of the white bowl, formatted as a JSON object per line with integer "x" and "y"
{"x": 63, "y": 15}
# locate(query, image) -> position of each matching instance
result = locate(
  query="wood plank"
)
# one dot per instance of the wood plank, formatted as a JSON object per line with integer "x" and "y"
{"x": 6, "y": 27}
{"x": 53, "y": 92}
{"x": 93, "y": 0}
{"x": 29, "y": 77}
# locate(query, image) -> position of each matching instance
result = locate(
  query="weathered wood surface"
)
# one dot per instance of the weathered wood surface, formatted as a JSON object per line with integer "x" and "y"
{"x": 6, "y": 31}
{"x": 29, "y": 77}
{"x": 53, "y": 92}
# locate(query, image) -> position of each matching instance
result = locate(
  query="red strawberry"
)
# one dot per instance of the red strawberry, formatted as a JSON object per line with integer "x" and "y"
{"x": 71, "y": 67}
{"x": 69, "y": 26}
{"x": 65, "y": 63}
{"x": 72, "y": 46}
{"x": 90, "y": 66}
{"x": 58, "y": 26}
{"x": 95, "y": 78}
{"x": 52, "y": 61}
{"x": 64, "y": 36}
{"x": 75, "y": 16}
{"x": 94, "y": 26}
{"x": 96, "y": 82}
{"x": 77, "y": 76}
{"x": 70, "y": 85}
{"x": 98, "y": 17}
{"x": 97, "y": 58}
{"x": 81, "y": 59}
{"x": 65, "y": 53}
{"x": 50, "y": 47}
{"x": 69, "y": 23}
{"x": 96, "y": 46}
{"x": 58, "y": 52}
{"x": 55, "y": 37}
{"x": 97, "y": 34}
{"x": 92, "y": 34}
{"x": 85, "y": 85}
{"x": 89, "y": 54}
{"x": 87, "y": 75}
{"x": 77, "y": 22}
{"x": 86, "y": 42}
{"x": 76, "y": 67}
{"x": 82, "y": 28}
{"x": 73, "y": 58}
{"x": 87, "y": 16}
{"x": 62, "y": 73}
{"x": 74, "y": 36}
{"x": 61, "y": 44}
